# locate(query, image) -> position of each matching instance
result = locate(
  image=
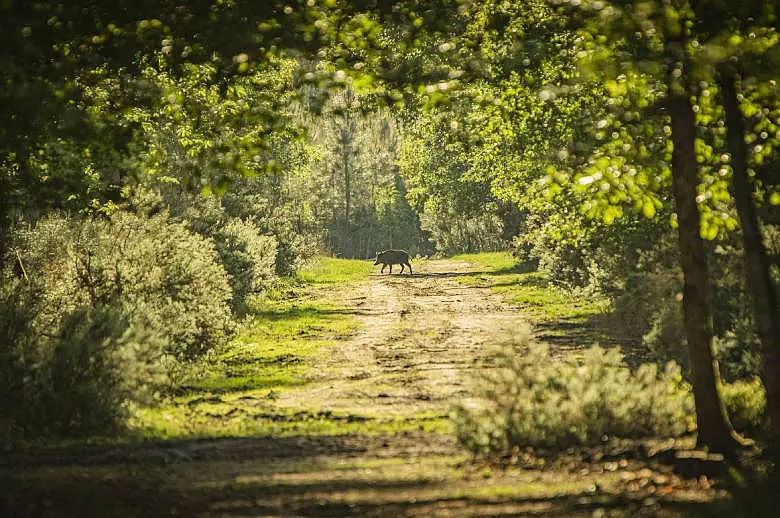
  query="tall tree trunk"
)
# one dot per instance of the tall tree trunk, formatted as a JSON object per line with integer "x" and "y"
{"x": 762, "y": 290}
{"x": 714, "y": 429}
{"x": 5, "y": 220}
{"x": 347, "y": 198}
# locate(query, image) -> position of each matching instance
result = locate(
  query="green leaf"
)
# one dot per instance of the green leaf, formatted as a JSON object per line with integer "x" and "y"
{"x": 648, "y": 208}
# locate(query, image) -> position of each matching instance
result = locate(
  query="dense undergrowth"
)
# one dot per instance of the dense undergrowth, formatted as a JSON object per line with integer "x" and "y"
{"x": 579, "y": 393}
{"x": 534, "y": 400}
{"x": 108, "y": 316}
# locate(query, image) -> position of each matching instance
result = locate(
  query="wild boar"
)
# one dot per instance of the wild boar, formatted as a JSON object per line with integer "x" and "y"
{"x": 391, "y": 257}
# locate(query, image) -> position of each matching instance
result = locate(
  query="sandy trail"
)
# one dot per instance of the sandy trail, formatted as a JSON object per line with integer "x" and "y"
{"x": 421, "y": 338}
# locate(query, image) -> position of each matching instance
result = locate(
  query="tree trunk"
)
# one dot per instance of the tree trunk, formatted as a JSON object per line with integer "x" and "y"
{"x": 5, "y": 222}
{"x": 347, "y": 197}
{"x": 759, "y": 280}
{"x": 714, "y": 429}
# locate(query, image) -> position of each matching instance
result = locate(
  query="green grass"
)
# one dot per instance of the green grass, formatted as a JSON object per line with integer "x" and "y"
{"x": 531, "y": 290}
{"x": 231, "y": 391}
{"x": 258, "y": 416}
{"x": 281, "y": 343}
{"x": 235, "y": 390}
{"x": 496, "y": 261}
{"x": 328, "y": 270}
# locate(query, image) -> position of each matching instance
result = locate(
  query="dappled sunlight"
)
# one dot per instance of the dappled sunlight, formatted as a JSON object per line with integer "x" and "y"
{"x": 297, "y": 258}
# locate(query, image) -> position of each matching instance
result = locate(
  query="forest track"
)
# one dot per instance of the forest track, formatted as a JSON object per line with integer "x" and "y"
{"x": 420, "y": 340}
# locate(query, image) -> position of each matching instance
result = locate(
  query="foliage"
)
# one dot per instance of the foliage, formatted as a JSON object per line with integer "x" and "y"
{"x": 76, "y": 380}
{"x": 99, "y": 305}
{"x": 362, "y": 201}
{"x": 248, "y": 256}
{"x": 455, "y": 206}
{"x": 452, "y": 233}
{"x": 745, "y": 402}
{"x": 666, "y": 337}
{"x": 533, "y": 400}
{"x": 249, "y": 259}
{"x": 146, "y": 266}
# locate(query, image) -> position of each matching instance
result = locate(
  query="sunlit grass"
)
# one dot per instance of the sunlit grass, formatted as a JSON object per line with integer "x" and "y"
{"x": 534, "y": 293}
{"x": 331, "y": 270}
{"x": 531, "y": 290}
{"x": 279, "y": 348}
{"x": 256, "y": 414}
{"x": 493, "y": 260}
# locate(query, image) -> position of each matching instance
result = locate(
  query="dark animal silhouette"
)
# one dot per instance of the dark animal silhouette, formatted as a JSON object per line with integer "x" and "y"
{"x": 391, "y": 257}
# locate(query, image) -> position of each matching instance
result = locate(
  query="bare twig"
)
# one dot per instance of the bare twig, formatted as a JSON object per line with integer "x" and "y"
{"x": 21, "y": 266}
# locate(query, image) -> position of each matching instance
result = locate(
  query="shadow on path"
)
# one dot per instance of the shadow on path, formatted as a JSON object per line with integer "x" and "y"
{"x": 217, "y": 491}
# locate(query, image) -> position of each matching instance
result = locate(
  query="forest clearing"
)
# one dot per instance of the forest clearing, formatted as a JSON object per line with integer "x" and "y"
{"x": 358, "y": 424}
{"x": 369, "y": 258}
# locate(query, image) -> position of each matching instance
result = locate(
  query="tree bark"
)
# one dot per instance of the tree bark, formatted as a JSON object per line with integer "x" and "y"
{"x": 347, "y": 149}
{"x": 762, "y": 290}
{"x": 5, "y": 222}
{"x": 714, "y": 429}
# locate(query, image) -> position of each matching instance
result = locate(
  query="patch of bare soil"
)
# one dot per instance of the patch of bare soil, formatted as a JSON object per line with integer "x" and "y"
{"x": 421, "y": 338}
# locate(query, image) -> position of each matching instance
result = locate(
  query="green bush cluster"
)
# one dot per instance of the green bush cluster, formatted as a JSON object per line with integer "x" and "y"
{"x": 78, "y": 379}
{"x": 91, "y": 307}
{"x": 249, "y": 258}
{"x": 636, "y": 263}
{"x": 651, "y": 306}
{"x": 532, "y": 400}
{"x": 745, "y": 402}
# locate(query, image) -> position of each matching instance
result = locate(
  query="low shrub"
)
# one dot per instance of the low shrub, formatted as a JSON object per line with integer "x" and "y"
{"x": 77, "y": 380}
{"x": 100, "y": 308}
{"x": 100, "y": 362}
{"x": 135, "y": 263}
{"x": 532, "y": 400}
{"x": 745, "y": 402}
{"x": 249, "y": 259}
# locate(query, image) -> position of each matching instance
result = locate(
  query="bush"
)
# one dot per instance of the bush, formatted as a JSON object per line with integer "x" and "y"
{"x": 160, "y": 268}
{"x": 453, "y": 233}
{"x": 666, "y": 338}
{"x": 249, "y": 259}
{"x": 76, "y": 381}
{"x": 745, "y": 402}
{"x": 290, "y": 221}
{"x": 100, "y": 362}
{"x": 531, "y": 400}
{"x": 99, "y": 304}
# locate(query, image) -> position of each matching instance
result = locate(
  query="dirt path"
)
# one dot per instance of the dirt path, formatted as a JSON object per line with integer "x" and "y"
{"x": 421, "y": 337}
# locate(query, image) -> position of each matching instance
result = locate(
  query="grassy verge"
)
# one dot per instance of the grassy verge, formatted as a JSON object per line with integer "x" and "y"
{"x": 530, "y": 289}
{"x": 329, "y": 270}
{"x": 494, "y": 261}
{"x": 561, "y": 315}
{"x": 233, "y": 391}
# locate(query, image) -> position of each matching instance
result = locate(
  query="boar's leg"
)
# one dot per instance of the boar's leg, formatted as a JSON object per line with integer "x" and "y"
{"x": 383, "y": 268}
{"x": 402, "y": 267}
{"x": 410, "y": 268}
